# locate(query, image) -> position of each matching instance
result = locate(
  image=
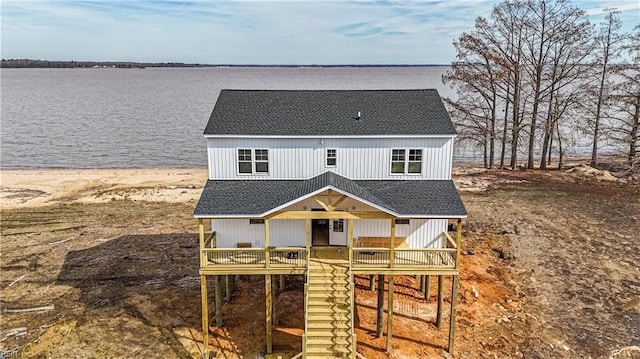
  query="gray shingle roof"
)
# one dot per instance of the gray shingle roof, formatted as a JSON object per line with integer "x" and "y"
{"x": 253, "y": 198}
{"x": 329, "y": 113}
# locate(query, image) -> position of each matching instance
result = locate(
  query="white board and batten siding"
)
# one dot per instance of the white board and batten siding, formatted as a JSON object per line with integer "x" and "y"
{"x": 304, "y": 158}
{"x": 419, "y": 233}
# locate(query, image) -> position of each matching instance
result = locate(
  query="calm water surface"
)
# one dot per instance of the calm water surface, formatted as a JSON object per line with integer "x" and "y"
{"x": 154, "y": 117}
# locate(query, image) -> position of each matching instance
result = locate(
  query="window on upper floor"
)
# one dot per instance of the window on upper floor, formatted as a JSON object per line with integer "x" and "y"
{"x": 403, "y": 164}
{"x": 253, "y": 161}
{"x": 331, "y": 157}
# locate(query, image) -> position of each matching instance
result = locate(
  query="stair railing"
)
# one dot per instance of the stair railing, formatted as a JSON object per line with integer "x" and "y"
{"x": 306, "y": 305}
{"x": 352, "y": 295}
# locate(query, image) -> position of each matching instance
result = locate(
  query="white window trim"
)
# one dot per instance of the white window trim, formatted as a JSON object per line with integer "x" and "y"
{"x": 253, "y": 162}
{"x": 406, "y": 162}
{"x": 326, "y": 157}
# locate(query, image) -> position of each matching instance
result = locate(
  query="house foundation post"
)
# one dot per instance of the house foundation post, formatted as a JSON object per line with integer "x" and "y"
{"x": 205, "y": 317}
{"x": 380, "y": 312}
{"x": 274, "y": 300}
{"x": 440, "y": 301}
{"x": 390, "y": 313}
{"x": 372, "y": 282}
{"x": 268, "y": 309}
{"x": 282, "y": 279}
{"x": 427, "y": 287}
{"x": 452, "y": 317}
{"x": 227, "y": 288}
{"x": 218, "y": 294}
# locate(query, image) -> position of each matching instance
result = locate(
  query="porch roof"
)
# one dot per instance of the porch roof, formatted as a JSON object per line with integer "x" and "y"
{"x": 400, "y": 198}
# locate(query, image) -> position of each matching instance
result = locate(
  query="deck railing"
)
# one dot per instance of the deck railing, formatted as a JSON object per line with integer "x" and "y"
{"x": 408, "y": 257}
{"x": 361, "y": 257}
{"x": 288, "y": 257}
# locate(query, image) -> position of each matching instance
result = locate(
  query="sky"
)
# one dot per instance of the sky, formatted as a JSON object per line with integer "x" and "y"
{"x": 252, "y": 32}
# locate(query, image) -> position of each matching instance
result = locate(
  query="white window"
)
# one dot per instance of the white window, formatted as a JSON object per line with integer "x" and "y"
{"x": 253, "y": 161}
{"x": 331, "y": 157}
{"x": 403, "y": 164}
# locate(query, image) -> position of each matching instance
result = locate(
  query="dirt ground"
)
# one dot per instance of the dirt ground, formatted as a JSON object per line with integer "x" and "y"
{"x": 551, "y": 269}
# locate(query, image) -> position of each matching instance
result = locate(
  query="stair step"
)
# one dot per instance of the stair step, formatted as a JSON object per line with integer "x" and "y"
{"x": 329, "y": 325}
{"x": 344, "y": 333}
{"x": 329, "y": 303}
{"x": 328, "y": 310}
{"x": 330, "y": 298}
{"x": 328, "y": 342}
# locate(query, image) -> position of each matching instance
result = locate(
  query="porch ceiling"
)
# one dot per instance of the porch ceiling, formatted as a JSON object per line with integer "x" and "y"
{"x": 259, "y": 198}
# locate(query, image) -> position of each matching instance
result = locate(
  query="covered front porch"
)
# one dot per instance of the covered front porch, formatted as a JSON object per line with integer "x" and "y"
{"x": 377, "y": 228}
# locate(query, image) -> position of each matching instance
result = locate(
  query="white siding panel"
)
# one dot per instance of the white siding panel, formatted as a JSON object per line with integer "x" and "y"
{"x": 423, "y": 233}
{"x": 419, "y": 233}
{"x": 282, "y": 233}
{"x": 287, "y": 233}
{"x": 229, "y": 232}
{"x": 357, "y": 158}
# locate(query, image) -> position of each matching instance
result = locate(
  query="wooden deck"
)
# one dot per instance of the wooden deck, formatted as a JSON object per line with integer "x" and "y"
{"x": 294, "y": 260}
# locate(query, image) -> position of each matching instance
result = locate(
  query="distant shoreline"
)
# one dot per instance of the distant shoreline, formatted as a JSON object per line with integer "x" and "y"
{"x": 30, "y": 63}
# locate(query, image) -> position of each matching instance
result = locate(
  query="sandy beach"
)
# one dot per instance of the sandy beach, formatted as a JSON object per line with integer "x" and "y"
{"x": 32, "y": 188}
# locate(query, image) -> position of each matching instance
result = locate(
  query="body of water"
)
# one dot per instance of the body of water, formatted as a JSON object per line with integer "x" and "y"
{"x": 154, "y": 117}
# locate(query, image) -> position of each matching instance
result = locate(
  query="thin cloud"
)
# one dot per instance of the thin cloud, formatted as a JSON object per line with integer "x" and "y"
{"x": 247, "y": 32}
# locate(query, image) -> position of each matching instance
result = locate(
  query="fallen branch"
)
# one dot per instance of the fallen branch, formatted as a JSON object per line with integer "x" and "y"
{"x": 25, "y": 310}
{"x": 18, "y": 332}
{"x": 16, "y": 281}
{"x": 62, "y": 241}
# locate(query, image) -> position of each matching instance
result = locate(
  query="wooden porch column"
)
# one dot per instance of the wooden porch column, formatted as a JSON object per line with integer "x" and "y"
{"x": 268, "y": 308}
{"x": 440, "y": 301}
{"x": 390, "y": 313}
{"x": 307, "y": 225}
{"x": 452, "y": 317}
{"x": 201, "y": 236}
{"x": 392, "y": 255}
{"x": 380, "y": 312}
{"x": 205, "y": 316}
{"x": 267, "y": 255}
{"x": 458, "y": 239}
{"x": 351, "y": 243}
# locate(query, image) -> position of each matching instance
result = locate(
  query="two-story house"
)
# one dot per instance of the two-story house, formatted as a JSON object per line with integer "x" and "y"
{"x": 329, "y": 184}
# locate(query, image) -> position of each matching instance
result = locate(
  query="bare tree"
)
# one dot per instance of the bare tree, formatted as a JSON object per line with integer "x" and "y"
{"x": 609, "y": 43}
{"x": 626, "y": 101}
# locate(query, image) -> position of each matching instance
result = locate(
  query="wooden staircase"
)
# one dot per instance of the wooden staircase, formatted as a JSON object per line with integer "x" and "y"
{"x": 328, "y": 306}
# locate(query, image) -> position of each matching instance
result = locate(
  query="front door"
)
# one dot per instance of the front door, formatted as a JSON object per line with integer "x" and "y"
{"x": 338, "y": 232}
{"x": 328, "y": 232}
{"x": 319, "y": 232}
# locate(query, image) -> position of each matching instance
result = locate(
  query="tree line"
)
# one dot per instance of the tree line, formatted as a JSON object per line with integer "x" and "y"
{"x": 537, "y": 77}
{"x": 30, "y": 63}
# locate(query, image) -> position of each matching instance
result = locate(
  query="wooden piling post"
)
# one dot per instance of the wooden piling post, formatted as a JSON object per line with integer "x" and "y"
{"x": 282, "y": 286}
{"x": 205, "y": 316}
{"x": 440, "y": 301}
{"x": 372, "y": 282}
{"x": 268, "y": 308}
{"x": 276, "y": 290}
{"x": 227, "y": 288}
{"x": 427, "y": 287}
{"x": 390, "y": 313}
{"x": 218, "y": 294}
{"x": 380, "y": 312}
{"x": 452, "y": 317}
